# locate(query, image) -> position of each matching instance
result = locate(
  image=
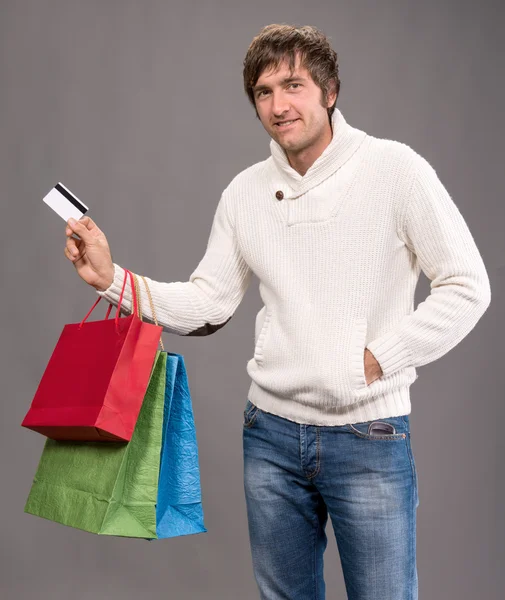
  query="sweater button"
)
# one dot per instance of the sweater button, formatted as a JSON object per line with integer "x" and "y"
{"x": 279, "y": 195}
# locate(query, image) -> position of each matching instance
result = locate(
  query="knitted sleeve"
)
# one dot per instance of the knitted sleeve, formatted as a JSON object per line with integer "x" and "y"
{"x": 208, "y": 300}
{"x": 435, "y": 231}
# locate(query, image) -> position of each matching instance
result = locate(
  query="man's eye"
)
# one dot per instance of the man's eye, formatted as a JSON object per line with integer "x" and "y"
{"x": 262, "y": 92}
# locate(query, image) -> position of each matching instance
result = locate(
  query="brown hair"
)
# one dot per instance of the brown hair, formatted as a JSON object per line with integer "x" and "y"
{"x": 276, "y": 43}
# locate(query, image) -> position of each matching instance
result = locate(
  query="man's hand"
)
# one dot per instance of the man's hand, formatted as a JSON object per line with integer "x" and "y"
{"x": 91, "y": 254}
{"x": 372, "y": 368}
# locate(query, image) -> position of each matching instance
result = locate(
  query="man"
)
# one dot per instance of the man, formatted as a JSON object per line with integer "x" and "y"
{"x": 337, "y": 225}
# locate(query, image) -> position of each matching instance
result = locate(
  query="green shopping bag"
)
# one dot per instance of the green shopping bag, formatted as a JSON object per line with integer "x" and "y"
{"x": 99, "y": 487}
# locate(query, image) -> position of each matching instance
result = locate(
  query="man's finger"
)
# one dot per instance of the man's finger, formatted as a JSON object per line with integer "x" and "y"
{"x": 73, "y": 246}
{"x": 82, "y": 229}
{"x": 69, "y": 256}
{"x": 88, "y": 222}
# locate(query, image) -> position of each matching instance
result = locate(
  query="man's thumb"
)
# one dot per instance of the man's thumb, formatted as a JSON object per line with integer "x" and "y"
{"x": 79, "y": 228}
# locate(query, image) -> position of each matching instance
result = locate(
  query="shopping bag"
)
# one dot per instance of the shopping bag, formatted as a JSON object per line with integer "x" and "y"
{"x": 93, "y": 387}
{"x": 148, "y": 488}
{"x": 179, "y": 510}
{"x": 107, "y": 489}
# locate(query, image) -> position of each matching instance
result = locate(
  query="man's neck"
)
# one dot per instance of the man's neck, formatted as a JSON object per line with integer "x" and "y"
{"x": 303, "y": 160}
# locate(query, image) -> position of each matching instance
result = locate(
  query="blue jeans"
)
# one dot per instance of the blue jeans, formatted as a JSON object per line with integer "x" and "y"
{"x": 295, "y": 475}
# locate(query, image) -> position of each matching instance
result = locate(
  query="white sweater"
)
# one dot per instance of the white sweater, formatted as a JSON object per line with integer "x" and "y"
{"x": 338, "y": 258}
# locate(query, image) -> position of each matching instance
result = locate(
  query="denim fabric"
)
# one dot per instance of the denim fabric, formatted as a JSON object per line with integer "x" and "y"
{"x": 296, "y": 475}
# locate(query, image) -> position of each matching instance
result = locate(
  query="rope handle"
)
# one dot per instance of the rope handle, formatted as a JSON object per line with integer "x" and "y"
{"x": 134, "y": 301}
{"x": 150, "y": 303}
{"x": 139, "y": 298}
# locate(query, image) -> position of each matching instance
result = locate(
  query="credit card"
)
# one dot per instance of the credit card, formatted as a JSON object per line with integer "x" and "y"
{"x": 64, "y": 203}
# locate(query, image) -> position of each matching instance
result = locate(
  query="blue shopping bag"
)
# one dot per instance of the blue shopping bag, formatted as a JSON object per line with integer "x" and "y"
{"x": 179, "y": 508}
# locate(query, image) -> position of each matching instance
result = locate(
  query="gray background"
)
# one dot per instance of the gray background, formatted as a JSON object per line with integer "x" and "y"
{"x": 138, "y": 108}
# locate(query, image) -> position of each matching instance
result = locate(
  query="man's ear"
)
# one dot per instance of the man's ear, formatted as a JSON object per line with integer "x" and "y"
{"x": 332, "y": 95}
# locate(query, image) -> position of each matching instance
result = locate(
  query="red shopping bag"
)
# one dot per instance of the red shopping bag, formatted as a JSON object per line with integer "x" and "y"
{"x": 97, "y": 377}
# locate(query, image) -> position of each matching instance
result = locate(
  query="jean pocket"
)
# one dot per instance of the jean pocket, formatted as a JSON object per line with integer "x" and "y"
{"x": 389, "y": 429}
{"x": 250, "y": 414}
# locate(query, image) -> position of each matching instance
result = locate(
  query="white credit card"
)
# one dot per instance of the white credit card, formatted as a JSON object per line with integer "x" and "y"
{"x": 64, "y": 203}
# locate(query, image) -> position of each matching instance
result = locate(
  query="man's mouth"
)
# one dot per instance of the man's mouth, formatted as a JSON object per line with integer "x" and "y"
{"x": 285, "y": 124}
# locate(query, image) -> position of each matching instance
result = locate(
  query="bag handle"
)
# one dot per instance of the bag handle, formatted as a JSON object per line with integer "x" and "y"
{"x": 137, "y": 287}
{"x": 137, "y": 291}
{"x": 134, "y": 301}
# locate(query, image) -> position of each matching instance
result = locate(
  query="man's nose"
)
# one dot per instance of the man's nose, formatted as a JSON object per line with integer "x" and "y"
{"x": 280, "y": 104}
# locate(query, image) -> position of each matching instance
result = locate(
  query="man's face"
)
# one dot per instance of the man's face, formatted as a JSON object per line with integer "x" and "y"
{"x": 281, "y": 98}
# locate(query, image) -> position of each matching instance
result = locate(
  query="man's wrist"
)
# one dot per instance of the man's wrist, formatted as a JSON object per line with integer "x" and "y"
{"x": 102, "y": 288}
{"x": 104, "y": 284}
